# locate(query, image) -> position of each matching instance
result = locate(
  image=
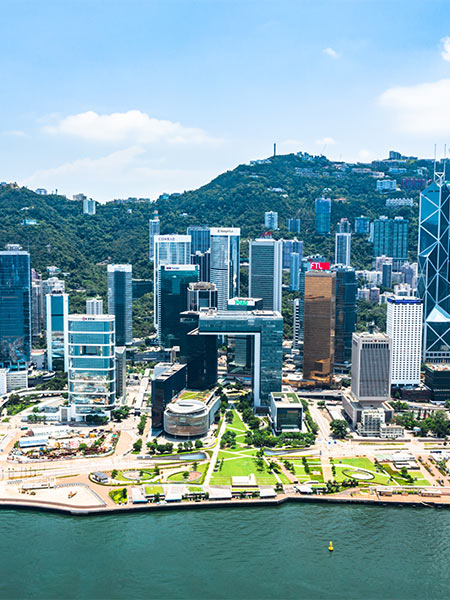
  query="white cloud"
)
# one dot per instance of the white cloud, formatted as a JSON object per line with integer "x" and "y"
{"x": 421, "y": 108}
{"x": 133, "y": 127}
{"x": 127, "y": 172}
{"x": 365, "y": 155}
{"x": 445, "y": 48}
{"x": 290, "y": 145}
{"x": 15, "y": 133}
{"x": 331, "y": 53}
{"x": 326, "y": 141}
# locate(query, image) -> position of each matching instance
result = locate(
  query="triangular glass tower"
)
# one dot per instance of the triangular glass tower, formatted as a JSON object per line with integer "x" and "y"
{"x": 433, "y": 285}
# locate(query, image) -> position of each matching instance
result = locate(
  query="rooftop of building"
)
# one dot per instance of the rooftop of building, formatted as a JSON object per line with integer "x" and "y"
{"x": 224, "y": 315}
{"x": 202, "y": 285}
{"x": 91, "y": 317}
{"x": 403, "y": 300}
{"x": 438, "y": 366}
{"x": 365, "y": 336}
{"x": 285, "y": 398}
{"x": 171, "y": 369}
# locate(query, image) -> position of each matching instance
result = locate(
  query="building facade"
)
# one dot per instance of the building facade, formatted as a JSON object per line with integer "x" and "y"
{"x": 404, "y": 327}
{"x": 343, "y": 246}
{"x": 294, "y": 225}
{"x": 271, "y": 220}
{"x": 345, "y": 325}
{"x": 57, "y": 312}
{"x": 154, "y": 229}
{"x": 323, "y": 215}
{"x": 94, "y": 306}
{"x": 201, "y": 295}
{"x": 265, "y": 272}
{"x": 120, "y": 296}
{"x": 200, "y": 238}
{"x": 225, "y": 262}
{"x": 371, "y": 367}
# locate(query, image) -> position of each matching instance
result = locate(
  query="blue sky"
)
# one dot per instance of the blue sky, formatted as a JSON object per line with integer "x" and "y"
{"x": 134, "y": 98}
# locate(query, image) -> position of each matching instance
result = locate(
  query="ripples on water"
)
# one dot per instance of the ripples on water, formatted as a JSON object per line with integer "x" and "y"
{"x": 380, "y": 552}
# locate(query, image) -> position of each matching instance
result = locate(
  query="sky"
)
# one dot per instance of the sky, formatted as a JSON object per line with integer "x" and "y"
{"x": 139, "y": 97}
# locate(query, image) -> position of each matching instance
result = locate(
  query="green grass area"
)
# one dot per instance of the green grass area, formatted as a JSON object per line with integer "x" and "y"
{"x": 315, "y": 470}
{"x": 242, "y": 466}
{"x": 146, "y": 474}
{"x": 396, "y": 475}
{"x": 194, "y": 488}
{"x": 192, "y": 395}
{"x": 237, "y": 423}
{"x": 119, "y": 496}
{"x": 154, "y": 489}
{"x": 179, "y": 475}
{"x": 283, "y": 478}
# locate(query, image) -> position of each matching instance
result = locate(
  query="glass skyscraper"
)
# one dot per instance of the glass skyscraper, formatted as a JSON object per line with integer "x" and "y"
{"x": 290, "y": 246}
{"x": 345, "y": 324}
{"x": 57, "y": 312}
{"x": 15, "y": 308}
{"x": 225, "y": 257}
{"x": 433, "y": 285}
{"x": 154, "y": 227}
{"x": 323, "y": 215}
{"x": 200, "y": 238}
{"x": 174, "y": 281}
{"x": 267, "y": 329}
{"x": 120, "y": 296}
{"x": 265, "y": 273}
{"x": 343, "y": 248}
{"x": 91, "y": 374}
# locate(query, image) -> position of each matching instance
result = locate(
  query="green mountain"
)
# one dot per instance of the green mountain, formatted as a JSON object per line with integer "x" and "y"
{"x": 81, "y": 245}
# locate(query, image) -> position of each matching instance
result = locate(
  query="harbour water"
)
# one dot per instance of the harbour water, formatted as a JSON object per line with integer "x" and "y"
{"x": 240, "y": 553}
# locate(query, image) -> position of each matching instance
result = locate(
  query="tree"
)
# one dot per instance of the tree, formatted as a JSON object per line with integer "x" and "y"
{"x": 186, "y": 475}
{"x": 339, "y": 428}
{"x": 137, "y": 446}
{"x": 198, "y": 444}
{"x": 114, "y": 473}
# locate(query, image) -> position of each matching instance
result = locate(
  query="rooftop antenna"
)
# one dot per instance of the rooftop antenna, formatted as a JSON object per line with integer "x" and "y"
{"x": 275, "y": 149}
{"x": 439, "y": 176}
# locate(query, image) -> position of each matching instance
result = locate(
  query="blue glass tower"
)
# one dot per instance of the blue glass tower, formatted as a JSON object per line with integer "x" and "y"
{"x": 200, "y": 238}
{"x": 15, "y": 308}
{"x": 323, "y": 215}
{"x": 433, "y": 284}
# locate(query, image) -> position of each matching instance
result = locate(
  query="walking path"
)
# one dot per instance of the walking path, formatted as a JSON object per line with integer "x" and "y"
{"x": 215, "y": 453}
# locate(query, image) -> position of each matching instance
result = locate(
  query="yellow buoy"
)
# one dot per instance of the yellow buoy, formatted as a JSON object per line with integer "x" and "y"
{"x": 330, "y": 547}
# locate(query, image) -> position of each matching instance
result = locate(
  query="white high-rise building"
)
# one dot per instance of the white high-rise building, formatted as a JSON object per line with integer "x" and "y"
{"x": 225, "y": 257}
{"x": 94, "y": 306}
{"x": 265, "y": 273}
{"x": 89, "y": 206}
{"x": 371, "y": 367}
{"x": 404, "y": 327}
{"x": 168, "y": 250}
{"x": 153, "y": 231}
{"x": 343, "y": 249}
{"x": 271, "y": 220}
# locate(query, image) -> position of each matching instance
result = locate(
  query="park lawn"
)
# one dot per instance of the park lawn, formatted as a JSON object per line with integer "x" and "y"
{"x": 362, "y": 462}
{"x": 119, "y": 496}
{"x": 195, "y": 488}
{"x": 399, "y": 479}
{"x": 154, "y": 489}
{"x": 283, "y": 478}
{"x": 242, "y": 467}
{"x": 146, "y": 474}
{"x": 237, "y": 422}
{"x": 343, "y": 472}
{"x": 179, "y": 475}
{"x": 314, "y": 465}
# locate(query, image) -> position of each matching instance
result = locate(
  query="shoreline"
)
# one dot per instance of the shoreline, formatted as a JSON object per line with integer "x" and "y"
{"x": 87, "y": 511}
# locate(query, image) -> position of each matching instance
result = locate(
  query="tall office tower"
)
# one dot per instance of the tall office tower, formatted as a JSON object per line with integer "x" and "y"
{"x": 200, "y": 238}
{"x": 343, "y": 226}
{"x": 37, "y": 309}
{"x": 404, "y": 327}
{"x": 319, "y": 328}
{"x": 225, "y": 258}
{"x": 433, "y": 285}
{"x": 119, "y": 301}
{"x": 89, "y": 206}
{"x": 154, "y": 227}
{"x": 265, "y": 272}
{"x": 290, "y": 246}
{"x": 53, "y": 284}
{"x": 294, "y": 225}
{"x": 371, "y": 367}
{"x": 57, "y": 312}
{"x": 15, "y": 308}
{"x": 299, "y": 304}
{"x": 174, "y": 281}
{"x": 386, "y": 275}
{"x": 408, "y": 274}
{"x": 362, "y": 225}
{"x": 399, "y": 242}
{"x": 296, "y": 324}
{"x": 121, "y": 371}
{"x": 271, "y": 220}
{"x": 382, "y": 236}
{"x": 323, "y": 215}
{"x": 92, "y": 369}
{"x": 294, "y": 284}
{"x": 201, "y": 295}
{"x": 267, "y": 329}
{"x": 94, "y": 306}
{"x": 169, "y": 250}
{"x": 198, "y": 352}
{"x": 203, "y": 260}
{"x": 168, "y": 380}
{"x": 343, "y": 248}
{"x": 346, "y": 290}
{"x": 241, "y": 348}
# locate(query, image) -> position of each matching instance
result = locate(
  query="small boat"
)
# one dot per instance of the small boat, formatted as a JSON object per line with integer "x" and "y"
{"x": 330, "y": 547}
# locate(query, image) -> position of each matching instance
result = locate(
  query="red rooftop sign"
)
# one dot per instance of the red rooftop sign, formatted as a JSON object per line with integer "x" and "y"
{"x": 320, "y": 266}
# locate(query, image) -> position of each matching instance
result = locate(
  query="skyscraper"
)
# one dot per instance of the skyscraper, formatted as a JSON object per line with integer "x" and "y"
{"x": 382, "y": 236}
{"x": 433, "y": 285}
{"x": 92, "y": 372}
{"x": 404, "y": 327}
{"x": 343, "y": 248}
{"x": 198, "y": 352}
{"x": 400, "y": 228}
{"x": 386, "y": 275}
{"x": 120, "y": 300}
{"x": 346, "y": 289}
{"x": 371, "y": 367}
{"x": 294, "y": 274}
{"x": 290, "y": 246}
{"x": 201, "y": 295}
{"x": 174, "y": 281}
{"x": 94, "y": 306}
{"x": 89, "y": 206}
{"x": 200, "y": 238}
{"x": 15, "y": 308}
{"x": 203, "y": 260}
{"x": 323, "y": 215}
{"x": 265, "y": 272}
{"x": 343, "y": 226}
{"x": 271, "y": 220}
{"x": 154, "y": 227}
{"x": 294, "y": 225}
{"x": 225, "y": 258}
{"x": 57, "y": 312}
{"x": 320, "y": 316}
{"x": 362, "y": 225}
{"x": 169, "y": 250}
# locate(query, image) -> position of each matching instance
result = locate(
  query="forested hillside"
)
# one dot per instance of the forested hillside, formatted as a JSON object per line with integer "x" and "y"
{"x": 289, "y": 184}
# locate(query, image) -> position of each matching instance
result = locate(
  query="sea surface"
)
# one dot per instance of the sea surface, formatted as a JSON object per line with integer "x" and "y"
{"x": 239, "y": 553}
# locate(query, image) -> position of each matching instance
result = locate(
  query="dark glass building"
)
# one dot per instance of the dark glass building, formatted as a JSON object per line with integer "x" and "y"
{"x": 167, "y": 384}
{"x": 120, "y": 296}
{"x": 345, "y": 325}
{"x": 203, "y": 261}
{"x": 323, "y": 215}
{"x": 15, "y": 308}
{"x": 174, "y": 281}
{"x": 200, "y": 238}
{"x": 198, "y": 352}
